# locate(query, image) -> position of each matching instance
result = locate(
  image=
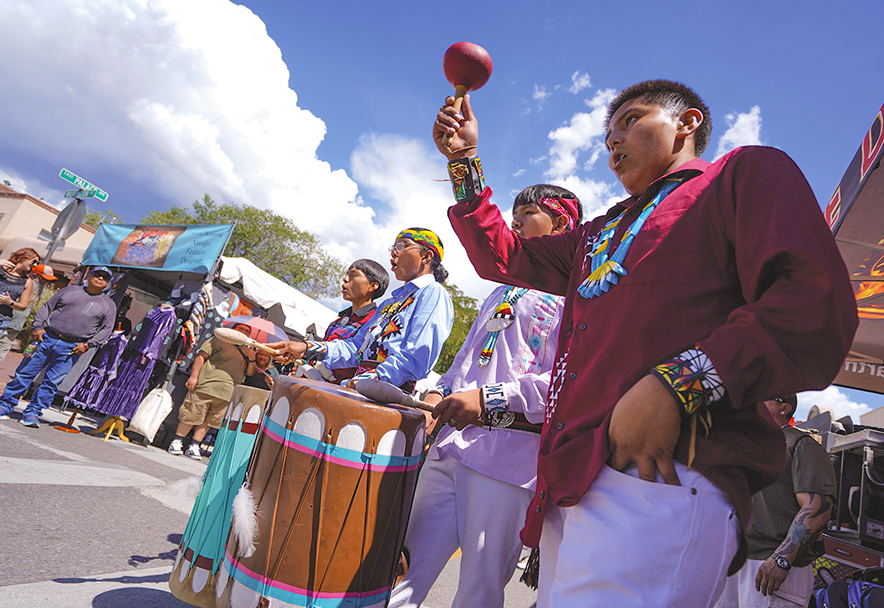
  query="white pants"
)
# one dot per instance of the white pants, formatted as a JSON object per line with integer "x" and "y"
{"x": 632, "y": 543}
{"x": 456, "y": 507}
{"x": 740, "y": 590}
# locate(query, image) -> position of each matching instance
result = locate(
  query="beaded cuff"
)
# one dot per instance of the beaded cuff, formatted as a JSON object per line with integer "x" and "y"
{"x": 494, "y": 397}
{"x": 363, "y": 376}
{"x": 316, "y": 351}
{"x": 467, "y": 180}
{"x": 691, "y": 379}
{"x": 442, "y": 390}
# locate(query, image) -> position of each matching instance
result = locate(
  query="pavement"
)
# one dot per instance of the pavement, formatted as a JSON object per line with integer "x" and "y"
{"x": 89, "y": 522}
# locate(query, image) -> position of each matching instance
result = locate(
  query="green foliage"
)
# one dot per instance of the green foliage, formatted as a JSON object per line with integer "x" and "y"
{"x": 270, "y": 241}
{"x": 95, "y": 218}
{"x": 465, "y": 311}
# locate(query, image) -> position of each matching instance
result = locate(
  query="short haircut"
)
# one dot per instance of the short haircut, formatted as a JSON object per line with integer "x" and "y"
{"x": 532, "y": 194}
{"x": 674, "y": 97}
{"x": 791, "y": 401}
{"x": 26, "y": 253}
{"x": 375, "y": 273}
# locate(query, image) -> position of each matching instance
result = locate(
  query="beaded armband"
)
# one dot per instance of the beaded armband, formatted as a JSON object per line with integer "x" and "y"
{"x": 494, "y": 401}
{"x": 316, "y": 351}
{"x": 467, "y": 180}
{"x": 443, "y": 390}
{"x": 691, "y": 379}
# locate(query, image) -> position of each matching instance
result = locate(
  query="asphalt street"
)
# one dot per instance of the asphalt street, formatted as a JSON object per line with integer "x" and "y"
{"x": 94, "y": 523}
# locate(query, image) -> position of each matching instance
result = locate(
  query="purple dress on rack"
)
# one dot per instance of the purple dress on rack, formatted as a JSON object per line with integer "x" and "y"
{"x": 127, "y": 389}
{"x": 90, "y": 388}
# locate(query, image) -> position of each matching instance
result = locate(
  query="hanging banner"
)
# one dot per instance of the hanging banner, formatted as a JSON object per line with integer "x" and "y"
{"x": 855, "y": 214}
{"x": 172, "y": 248}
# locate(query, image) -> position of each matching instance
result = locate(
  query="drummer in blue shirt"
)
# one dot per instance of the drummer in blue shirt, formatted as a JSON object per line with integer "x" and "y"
{"x": 404, "y": 339}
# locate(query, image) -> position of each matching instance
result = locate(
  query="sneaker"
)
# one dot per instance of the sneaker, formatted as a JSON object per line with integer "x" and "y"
{"x": 30, "y": 420}
{"x": 4, "y": 417}
{"x": 193, "y": 451}
{"x": 176, "y": 447}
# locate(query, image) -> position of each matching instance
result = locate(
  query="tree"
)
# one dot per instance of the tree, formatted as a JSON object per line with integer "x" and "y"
{"x": 95, "y": 218}
{"x": 465, "y": 311}
{"x": 270, "y": 241}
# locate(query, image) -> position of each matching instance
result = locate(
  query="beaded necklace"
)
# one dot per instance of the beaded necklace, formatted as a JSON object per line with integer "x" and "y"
{"x": 502, "y": 318}
{"x": 604, "y": 272}
{"x": 376, "y": 332}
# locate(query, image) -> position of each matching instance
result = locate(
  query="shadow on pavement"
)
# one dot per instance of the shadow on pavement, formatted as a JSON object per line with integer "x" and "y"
{"x": 128, "y": 579}
{"x": 136, "y": 598}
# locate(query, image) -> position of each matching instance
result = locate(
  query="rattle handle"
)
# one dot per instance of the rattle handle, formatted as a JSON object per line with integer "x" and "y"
{"x": 262, "y": 347}
{"x": 459, "y": 92}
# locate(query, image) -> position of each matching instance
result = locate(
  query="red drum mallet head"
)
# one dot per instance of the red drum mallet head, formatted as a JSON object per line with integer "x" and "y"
{"x": 467, "y": 65}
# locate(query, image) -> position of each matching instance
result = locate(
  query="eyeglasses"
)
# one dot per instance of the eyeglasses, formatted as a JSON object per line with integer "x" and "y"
{"x": 401, "y": 246}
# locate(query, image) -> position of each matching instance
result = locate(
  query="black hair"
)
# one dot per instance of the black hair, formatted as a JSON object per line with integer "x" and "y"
{"x": 674, "y": 97}
{"x": 439, "y": 272}
{"x": 375, "y": 273}
{"x": 532, "y": 194}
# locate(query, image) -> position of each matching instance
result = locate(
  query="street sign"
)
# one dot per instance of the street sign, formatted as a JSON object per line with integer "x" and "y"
{"x": 79, "y": 193}
{"x": 82, "y": 184}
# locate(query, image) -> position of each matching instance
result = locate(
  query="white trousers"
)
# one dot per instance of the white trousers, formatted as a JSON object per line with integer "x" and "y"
{"x": 630, "y": 543}
{"x": 456, "y": 507}
{"x": 740, "y": 590}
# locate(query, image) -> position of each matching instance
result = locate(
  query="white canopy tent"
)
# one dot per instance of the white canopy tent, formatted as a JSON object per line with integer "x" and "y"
{"x": 288, "y": 307}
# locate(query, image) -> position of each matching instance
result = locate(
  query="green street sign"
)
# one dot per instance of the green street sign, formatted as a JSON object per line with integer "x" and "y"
{"x": 82, "y": 184}
{"x": 80, "y": 193}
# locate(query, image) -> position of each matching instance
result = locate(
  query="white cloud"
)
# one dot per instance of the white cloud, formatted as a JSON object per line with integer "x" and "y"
{"x": 579, "y": 82}
{"x": 540, "y": 95}
{"x": 418, "y": 199}
{"x": 833, "y": 398}
{"x": 182, "y": 97}
{"x": 743, "y": 129}
{"x": 584, "y": 132}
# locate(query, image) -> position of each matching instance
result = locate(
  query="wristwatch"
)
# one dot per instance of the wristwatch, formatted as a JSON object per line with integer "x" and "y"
{"x": 781, "y": 561}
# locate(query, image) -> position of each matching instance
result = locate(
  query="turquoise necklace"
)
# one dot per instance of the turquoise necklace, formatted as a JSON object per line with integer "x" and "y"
{"x": 604, "y": 272}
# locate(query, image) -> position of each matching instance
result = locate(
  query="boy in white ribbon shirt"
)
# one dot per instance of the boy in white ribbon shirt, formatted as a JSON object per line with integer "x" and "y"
{"x": 479, "y": 475}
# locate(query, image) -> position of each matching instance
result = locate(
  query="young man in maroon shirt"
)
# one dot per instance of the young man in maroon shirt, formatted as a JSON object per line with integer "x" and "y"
{"x": 712, "y": 288}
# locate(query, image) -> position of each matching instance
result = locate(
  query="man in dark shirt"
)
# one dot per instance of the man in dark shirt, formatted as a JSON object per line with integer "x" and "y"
{"x": 787, "y": 518}
{"x": 70, "y": 322}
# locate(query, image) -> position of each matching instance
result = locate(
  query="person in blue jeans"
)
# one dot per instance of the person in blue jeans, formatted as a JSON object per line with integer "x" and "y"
{"x": 75, "y": 319}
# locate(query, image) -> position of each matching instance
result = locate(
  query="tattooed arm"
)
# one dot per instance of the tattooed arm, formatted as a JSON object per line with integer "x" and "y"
{"x": 805, "y": 529}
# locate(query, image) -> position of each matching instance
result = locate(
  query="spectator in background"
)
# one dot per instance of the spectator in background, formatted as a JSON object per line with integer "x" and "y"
{"x": 787, "y": 518}
{"x": 15, "y": 286}
{"x": 265, "y": 372}
{"x": 75, "y": 319}
{"x": 217, "y": 368}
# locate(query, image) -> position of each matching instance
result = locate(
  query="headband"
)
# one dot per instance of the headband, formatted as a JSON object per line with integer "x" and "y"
{"x": 424, "y": 237}
{"x": 562, "y": 206}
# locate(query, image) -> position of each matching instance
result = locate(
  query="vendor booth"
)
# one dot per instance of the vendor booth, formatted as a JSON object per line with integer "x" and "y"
{"x": 173, "y": 287}
{"x": 855, "y": 214}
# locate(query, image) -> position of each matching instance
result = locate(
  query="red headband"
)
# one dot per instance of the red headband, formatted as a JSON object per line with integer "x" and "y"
{"x": 562, "y": 206}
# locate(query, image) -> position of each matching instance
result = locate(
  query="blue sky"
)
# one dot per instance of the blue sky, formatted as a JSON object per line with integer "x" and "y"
{"x": 322, "y": 111}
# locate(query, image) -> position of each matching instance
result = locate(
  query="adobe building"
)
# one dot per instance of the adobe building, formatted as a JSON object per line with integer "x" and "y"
{"x": 22, "y": 217}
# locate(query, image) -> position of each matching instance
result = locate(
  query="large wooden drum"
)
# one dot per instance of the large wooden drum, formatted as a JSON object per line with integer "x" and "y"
{"x": 334, "y": 477}
{"x": 202, "y": 547}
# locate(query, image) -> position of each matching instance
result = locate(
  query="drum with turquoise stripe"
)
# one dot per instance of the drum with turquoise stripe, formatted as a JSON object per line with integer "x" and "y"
{"x": 333, "y": 476}
{"x": 202, "y": 547}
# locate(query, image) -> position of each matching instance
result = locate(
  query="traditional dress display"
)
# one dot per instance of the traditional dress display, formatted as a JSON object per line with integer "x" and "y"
{"x": 122, "y": 396}
{"x": 476, "y": 484}
{"x": 92, "y": 384}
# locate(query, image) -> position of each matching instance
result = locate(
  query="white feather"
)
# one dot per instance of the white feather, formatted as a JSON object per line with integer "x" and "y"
{"x": 245, "y": 521}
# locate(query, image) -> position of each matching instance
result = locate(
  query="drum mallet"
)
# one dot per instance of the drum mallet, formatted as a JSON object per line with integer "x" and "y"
{"x": 384, "y": 392}
{"x": 232, "y": 336}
